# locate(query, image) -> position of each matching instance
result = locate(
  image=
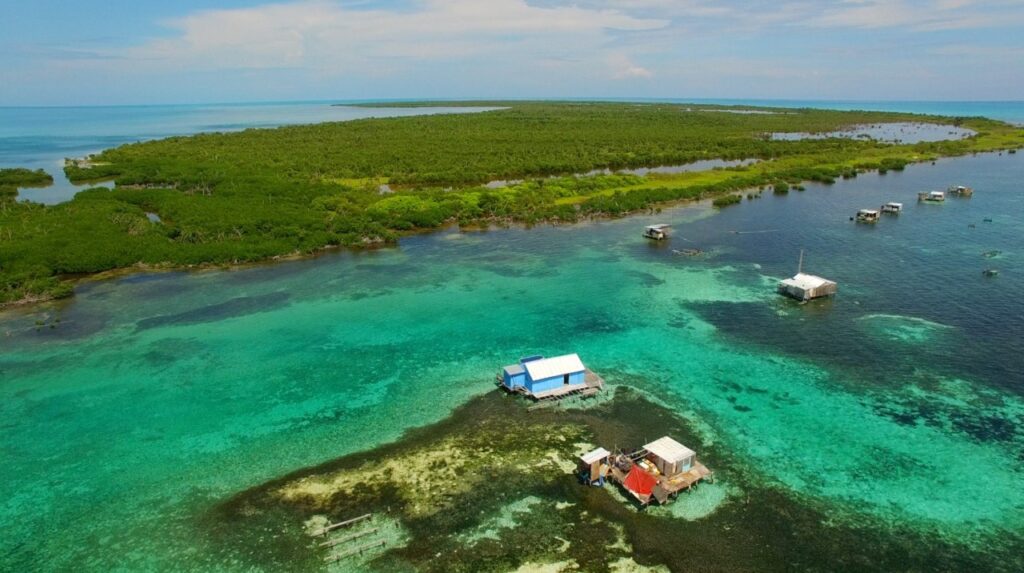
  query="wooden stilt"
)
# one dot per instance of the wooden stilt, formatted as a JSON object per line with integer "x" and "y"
{"x": 355, "y": 551}
{"x": 346, "y": 523}
{"x": 354, "y": 536}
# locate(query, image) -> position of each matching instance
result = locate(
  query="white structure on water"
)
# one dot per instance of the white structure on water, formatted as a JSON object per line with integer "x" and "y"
{"x": 867, "y": 216}
{"x": 657, "y": 232}
{"x": 804, "y": 287}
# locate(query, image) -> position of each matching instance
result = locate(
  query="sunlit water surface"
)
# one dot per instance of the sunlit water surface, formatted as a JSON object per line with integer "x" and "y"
{"x": 132, "y": 409}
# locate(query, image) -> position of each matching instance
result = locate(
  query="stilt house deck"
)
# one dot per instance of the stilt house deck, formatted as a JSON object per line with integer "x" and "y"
{"x": 542, "y": 378}
{"x": 659, "y": 471}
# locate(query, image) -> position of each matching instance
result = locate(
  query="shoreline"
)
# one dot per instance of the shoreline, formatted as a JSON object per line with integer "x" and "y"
{"x": 598, "y": 197}
{"x": 76, "y": 280}
{"x": 250, "y": 385}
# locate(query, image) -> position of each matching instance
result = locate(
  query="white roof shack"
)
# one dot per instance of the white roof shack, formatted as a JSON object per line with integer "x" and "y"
{"x": 658, "y": 227}
{"x": 596, "y": 455}
{"x": 806, "y": 282}
{"x": 552, "y": 367}
{"x": 669, "y": 450}
{"x": 868, "y": 211}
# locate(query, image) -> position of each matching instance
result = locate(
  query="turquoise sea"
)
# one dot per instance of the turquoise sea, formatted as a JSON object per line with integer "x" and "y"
{"x": 131, "y": 410}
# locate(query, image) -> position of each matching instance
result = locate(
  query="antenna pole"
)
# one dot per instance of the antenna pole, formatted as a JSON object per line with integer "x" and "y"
{"x": 800, "y": 267}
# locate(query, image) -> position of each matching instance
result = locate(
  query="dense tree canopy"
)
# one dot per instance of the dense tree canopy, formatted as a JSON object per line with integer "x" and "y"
{"x": 258, "y": 193}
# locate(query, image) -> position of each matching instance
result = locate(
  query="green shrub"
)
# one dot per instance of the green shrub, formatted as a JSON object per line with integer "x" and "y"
{"x": 726, "y": 200}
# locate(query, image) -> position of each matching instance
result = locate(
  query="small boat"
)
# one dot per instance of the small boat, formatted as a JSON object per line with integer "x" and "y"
{"x": 656, "y": 232}
{"x": 931, "y": 197}
{"x": 990, "y": 272}
{"x": 961, "y": 190}
{"x": 892, "y": 208}
{"x": 991, "y": 254}
{"x": 867, "y": 216}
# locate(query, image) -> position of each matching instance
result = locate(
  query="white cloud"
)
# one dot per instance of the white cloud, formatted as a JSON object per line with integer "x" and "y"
{"x": 919, "y": 15}
{"x": 330, "y": 37}
{"x": 624, "y": 69}
{"x": 494, "y": 48}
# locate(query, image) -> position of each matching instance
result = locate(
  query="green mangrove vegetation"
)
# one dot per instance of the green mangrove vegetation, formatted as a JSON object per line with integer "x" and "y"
{"x": 11, "y": 179}
{"x": 726, "y": 200}
{"x": 226, "y": 198}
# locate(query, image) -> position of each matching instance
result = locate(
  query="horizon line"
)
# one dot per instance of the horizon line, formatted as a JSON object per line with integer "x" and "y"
{"x": 596, "y": 99}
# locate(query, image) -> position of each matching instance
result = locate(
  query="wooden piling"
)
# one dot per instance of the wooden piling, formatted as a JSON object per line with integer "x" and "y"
{"x": 354, "y": 551}
{"x": 354, "y": 536}
{"x": 346, "y": 523}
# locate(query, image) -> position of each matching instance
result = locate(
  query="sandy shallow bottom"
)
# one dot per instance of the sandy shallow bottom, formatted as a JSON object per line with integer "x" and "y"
{"x": 164, "y": 395}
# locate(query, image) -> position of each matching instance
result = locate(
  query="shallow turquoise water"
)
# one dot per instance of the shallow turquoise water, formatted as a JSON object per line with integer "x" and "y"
{"x": 155, "y": 396}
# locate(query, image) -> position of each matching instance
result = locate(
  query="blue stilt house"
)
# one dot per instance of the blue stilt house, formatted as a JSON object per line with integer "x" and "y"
{"x": 540, "y": 377}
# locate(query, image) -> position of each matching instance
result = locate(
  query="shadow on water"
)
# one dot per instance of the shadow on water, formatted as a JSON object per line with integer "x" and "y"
{"x": 235, "y": 307}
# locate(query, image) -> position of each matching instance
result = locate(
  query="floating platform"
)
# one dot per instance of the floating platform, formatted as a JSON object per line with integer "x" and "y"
{"x": 892, "y": 208}
{"x": 931, "y": 197}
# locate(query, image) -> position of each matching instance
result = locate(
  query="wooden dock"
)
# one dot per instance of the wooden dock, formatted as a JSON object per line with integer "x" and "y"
{"x": 667, "y": 487}
{"x": 343, "y": 544}
{"x": 592, "y": 384}
{"x": 355, "y": 551}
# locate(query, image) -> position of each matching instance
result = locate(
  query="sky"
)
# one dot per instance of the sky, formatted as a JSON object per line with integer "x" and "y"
{"x": 99, "y": 52}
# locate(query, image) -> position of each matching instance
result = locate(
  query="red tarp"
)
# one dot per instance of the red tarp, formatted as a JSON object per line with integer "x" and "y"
{"x": 639, "y": 481}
